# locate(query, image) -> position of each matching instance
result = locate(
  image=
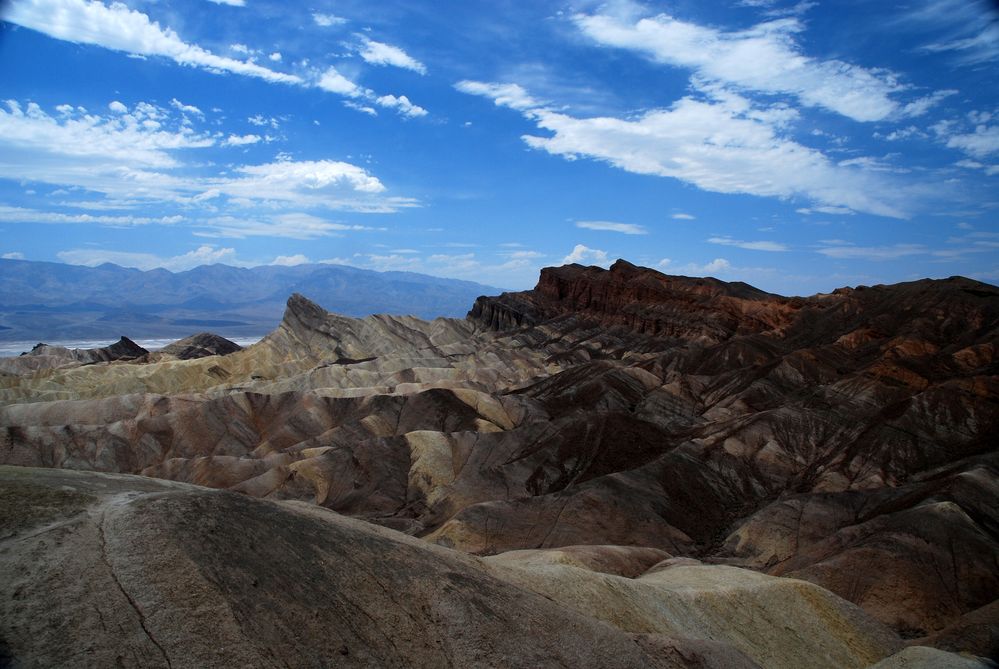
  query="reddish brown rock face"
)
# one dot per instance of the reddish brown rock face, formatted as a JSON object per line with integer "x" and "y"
{"x": 847, "y": 439}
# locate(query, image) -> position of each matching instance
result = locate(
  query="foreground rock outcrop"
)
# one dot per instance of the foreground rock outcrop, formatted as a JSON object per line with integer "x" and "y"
{"x": 111, "y": 570}
{"x": 845, "y": 439}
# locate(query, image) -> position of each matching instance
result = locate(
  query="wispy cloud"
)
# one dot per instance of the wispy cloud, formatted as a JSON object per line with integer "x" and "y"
{"x": 887, "y": 252}
{"x": 980, "y": 142}
{"x": 379, "y": 53}
{"x": 203, "y": 255}
{"x": 764, "y": 58}
{"x": 119, "y": 28}
{"x": 186, "y": 109}
{"x": 140, "y": 137}
{"x": 242, "y": 140}
{"x": 23, "y": 215}
{"x": 291, "y": 261}
{"x": 751, "y": 246}
{"x": 967, "y": 29}
{"x": 513, "y": 96}
{"x": 723, "y": 144}
{"x": 834, "y": 211}
{"x": 131, "y": 158}
{"x": 335, "y": 82}
{"x": 294, "y": 225}
{"x": 608, "y": 226}
{"x": 327, "y": 20}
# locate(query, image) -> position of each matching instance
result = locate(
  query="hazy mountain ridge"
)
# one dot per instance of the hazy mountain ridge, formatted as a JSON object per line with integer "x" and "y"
{"x": 44, "y": 301}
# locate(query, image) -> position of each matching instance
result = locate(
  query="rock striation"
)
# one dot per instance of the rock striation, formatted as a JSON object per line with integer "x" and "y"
{"x": 598, "y": 422}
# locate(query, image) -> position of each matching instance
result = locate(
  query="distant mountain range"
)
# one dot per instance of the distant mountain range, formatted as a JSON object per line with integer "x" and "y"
{"x": 44, "y": 301}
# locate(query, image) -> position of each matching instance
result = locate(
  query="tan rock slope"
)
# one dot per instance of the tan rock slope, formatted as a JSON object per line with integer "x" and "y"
{"x": 847, "y": 439}
{"x": 112, "y": 570}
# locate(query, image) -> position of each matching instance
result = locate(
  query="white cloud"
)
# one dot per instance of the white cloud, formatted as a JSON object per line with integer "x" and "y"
{"x": 275, "y": 57}
{"x": 763, "y": 58}
{"x": 334, "y": 82}
{"x": 504, "y": 95}
{"x": 889, "y": 252}
{"x": 20, "y": 215}
{"x": 833, "y": 211}
{"x": 522, "y": 255}
{"x": 122, "y": 29}
{"x": 585, "y": 255}
{"x": 751, "y": 246}
{"x": 123, "y": 138}
{"x": 364, "y": 109}
{"x": 327, "y": 20}
{"x": 119, "y": 28}
{"x": 967, "y": 28}
{"x": 284, "y": 179}
{"x": 922, "y": 105}
{"x": 117, "y": 107}
{"x": 186, "y": 109}
{"x": 260, "y": 121}
{"x": 716, "y": 266}
{"x": 984, "y": 141}
{"x": 392, "y": 262}
{"x": 903, "y": 133}
{"x": 378, "y": 53}
{"x": 203, "y": 255}
{"x": 241, "y": 140}
{"x": 723, "y": 146}
{"x": 624, "y": 228}
{"x": 13, "y": 255}
{"x": 683, "y": 217}
{"x": 291, "y": 261}
{"x": 231, "y": 3}
{"x": 133, "y": 165}
{"x": 401, "y": 104}
{"x": 294, "y": 225}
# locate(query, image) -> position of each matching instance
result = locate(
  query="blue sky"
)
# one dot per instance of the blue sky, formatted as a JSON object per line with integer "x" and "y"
{"x": 798, "y": 146}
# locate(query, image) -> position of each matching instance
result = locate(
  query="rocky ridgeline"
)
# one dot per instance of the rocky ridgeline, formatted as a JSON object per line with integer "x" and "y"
{"x": 845, "y": 439}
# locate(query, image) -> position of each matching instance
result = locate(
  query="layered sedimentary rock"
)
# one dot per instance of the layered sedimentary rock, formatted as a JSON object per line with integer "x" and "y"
{"x": 846, "y": 439}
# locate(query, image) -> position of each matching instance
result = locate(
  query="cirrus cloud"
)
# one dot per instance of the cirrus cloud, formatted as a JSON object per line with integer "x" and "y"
{"x": 609, "y": 226}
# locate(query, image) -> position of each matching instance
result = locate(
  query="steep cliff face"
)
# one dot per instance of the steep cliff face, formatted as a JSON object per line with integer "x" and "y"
{"x": 846, "y": 438}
